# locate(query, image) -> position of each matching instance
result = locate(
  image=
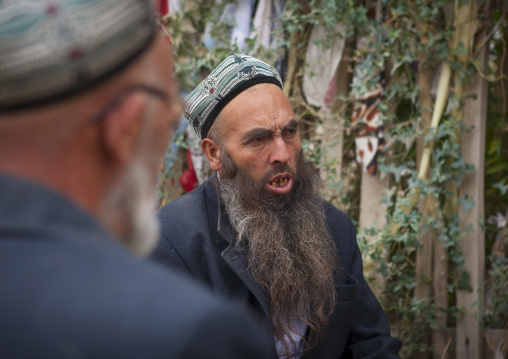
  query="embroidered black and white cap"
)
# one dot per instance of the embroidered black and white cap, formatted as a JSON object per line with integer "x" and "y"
{"x": 235, "y": 74}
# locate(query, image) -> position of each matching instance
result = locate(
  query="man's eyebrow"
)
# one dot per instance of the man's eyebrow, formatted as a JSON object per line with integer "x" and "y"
{"x": 255, "y": 133}
{"x": 292, "y": 125}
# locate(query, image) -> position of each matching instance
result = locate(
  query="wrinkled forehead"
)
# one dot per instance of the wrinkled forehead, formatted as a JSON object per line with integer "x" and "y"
{"x": 263, "y": 106}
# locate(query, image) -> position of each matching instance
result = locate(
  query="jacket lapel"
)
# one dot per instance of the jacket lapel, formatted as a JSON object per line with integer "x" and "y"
{"x": 237, "y": 260}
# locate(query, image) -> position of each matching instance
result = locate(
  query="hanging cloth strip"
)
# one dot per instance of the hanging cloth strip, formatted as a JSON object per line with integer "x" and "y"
{"x": 324, "y": 53}
{"x": 369, "y": 138}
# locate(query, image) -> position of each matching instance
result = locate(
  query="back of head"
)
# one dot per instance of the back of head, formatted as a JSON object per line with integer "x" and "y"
{"x": 86, "y": 105}
{"x": 59, "y": 61}
{"x": 55, "y": 49}
{"x": 85, "y": 90}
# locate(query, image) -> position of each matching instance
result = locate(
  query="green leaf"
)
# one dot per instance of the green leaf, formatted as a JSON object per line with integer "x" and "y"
{"x": 467, "y": 203}
{"x": 498, "y": 167}
{"x": 461, "y": 49}
{"x": 464, "y": 282}
{"x": 501, "y": 186}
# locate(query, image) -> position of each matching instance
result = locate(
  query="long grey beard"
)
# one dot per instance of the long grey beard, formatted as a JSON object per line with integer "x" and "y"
{"x": 287, "y": 242}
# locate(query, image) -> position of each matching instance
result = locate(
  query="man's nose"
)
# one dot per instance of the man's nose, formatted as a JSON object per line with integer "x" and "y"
{"x": 279, "y": 152}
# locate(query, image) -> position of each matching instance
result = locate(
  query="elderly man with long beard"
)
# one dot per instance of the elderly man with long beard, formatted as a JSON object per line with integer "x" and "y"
{"x": 258, "y": 230}
{"x": 87, "y": 102}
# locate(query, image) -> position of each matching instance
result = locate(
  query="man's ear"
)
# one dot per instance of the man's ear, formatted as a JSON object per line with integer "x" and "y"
{"x": 212, "y": 152}
{"x": 121, "y": 127}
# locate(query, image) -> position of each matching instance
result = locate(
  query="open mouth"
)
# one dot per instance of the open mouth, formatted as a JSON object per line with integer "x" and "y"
{"x": 281, "y": 183}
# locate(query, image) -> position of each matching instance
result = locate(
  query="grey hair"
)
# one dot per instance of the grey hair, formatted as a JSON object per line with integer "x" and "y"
{"x": 215, "y": 133}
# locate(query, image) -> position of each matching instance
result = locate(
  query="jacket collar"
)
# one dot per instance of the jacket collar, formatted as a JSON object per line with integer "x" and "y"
{"x": 235, "y": 258}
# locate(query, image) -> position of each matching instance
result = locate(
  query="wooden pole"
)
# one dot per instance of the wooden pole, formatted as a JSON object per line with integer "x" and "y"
{"x": 439, "y": 107}
{"x": 333, "y": 133}
{"x": 372, "y": 192}
{"x": 292, "y": 60}
{"x": 440, "y": 338}
{"x": 373, "y": 214}
{"x": 423, "y": 271}
{"x": 425, "y": 256}
{"x": 469, "y": 343}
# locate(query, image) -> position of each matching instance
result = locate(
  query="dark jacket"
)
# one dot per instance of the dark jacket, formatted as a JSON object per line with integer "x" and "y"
{"x": 192, "y": 243}
{"x": 68, "y": 289}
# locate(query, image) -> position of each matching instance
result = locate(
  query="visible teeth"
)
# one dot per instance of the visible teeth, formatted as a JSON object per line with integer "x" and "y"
{"x": 279, "y": 182}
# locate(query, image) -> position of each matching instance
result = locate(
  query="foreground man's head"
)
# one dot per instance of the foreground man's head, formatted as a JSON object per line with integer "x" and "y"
{"x": 87, "y": 102}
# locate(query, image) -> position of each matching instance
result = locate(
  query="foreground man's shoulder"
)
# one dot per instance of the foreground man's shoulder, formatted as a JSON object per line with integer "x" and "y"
{"x": 187, "y": 209}
{"x": 167, "y": 309}
{"x": 120, "y": 306}
{"x": 187, "y": 201}
{"x": 189, "y": 214}
{"x": 193, "y": 315}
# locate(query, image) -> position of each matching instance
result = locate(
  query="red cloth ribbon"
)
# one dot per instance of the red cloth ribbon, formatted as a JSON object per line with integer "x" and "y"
{"x": 163, "y": 7}
{"x": 188, "y": 178}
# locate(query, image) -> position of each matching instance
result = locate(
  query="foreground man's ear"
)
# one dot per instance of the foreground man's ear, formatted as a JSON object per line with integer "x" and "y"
{"x": 212, "y": 152}
{"x": 121, "y": 128}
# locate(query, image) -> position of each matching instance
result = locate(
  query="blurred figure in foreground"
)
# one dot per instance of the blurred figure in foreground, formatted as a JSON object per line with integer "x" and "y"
{"x": 87, "y": 102}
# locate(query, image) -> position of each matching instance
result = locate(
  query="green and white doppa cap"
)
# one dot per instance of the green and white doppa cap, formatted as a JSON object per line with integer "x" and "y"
{"x": 51, "y": 49}
{"x": 235, "y": 74}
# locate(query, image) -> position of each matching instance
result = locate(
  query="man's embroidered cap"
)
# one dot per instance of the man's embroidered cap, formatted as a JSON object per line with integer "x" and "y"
{"x": 50, "y": 49}
{"x": 235, "y": 74}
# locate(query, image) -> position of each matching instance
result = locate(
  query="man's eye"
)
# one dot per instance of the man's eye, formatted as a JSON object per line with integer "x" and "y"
{"x": 290, "y": 132}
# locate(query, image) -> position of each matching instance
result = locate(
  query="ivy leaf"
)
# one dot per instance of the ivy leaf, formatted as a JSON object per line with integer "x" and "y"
{"x": 498, "y": 167}
{"x": 396, "y": 170}
{"x": 464, "y": 282}
{"x": 461, "y": 49}
{"x": 501, "y": 186}
{"x": 396, "y": 67}
{"x": 467, "y": 203}
{"x": 502, "y": 309}
{"x": 494, "y": 146}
